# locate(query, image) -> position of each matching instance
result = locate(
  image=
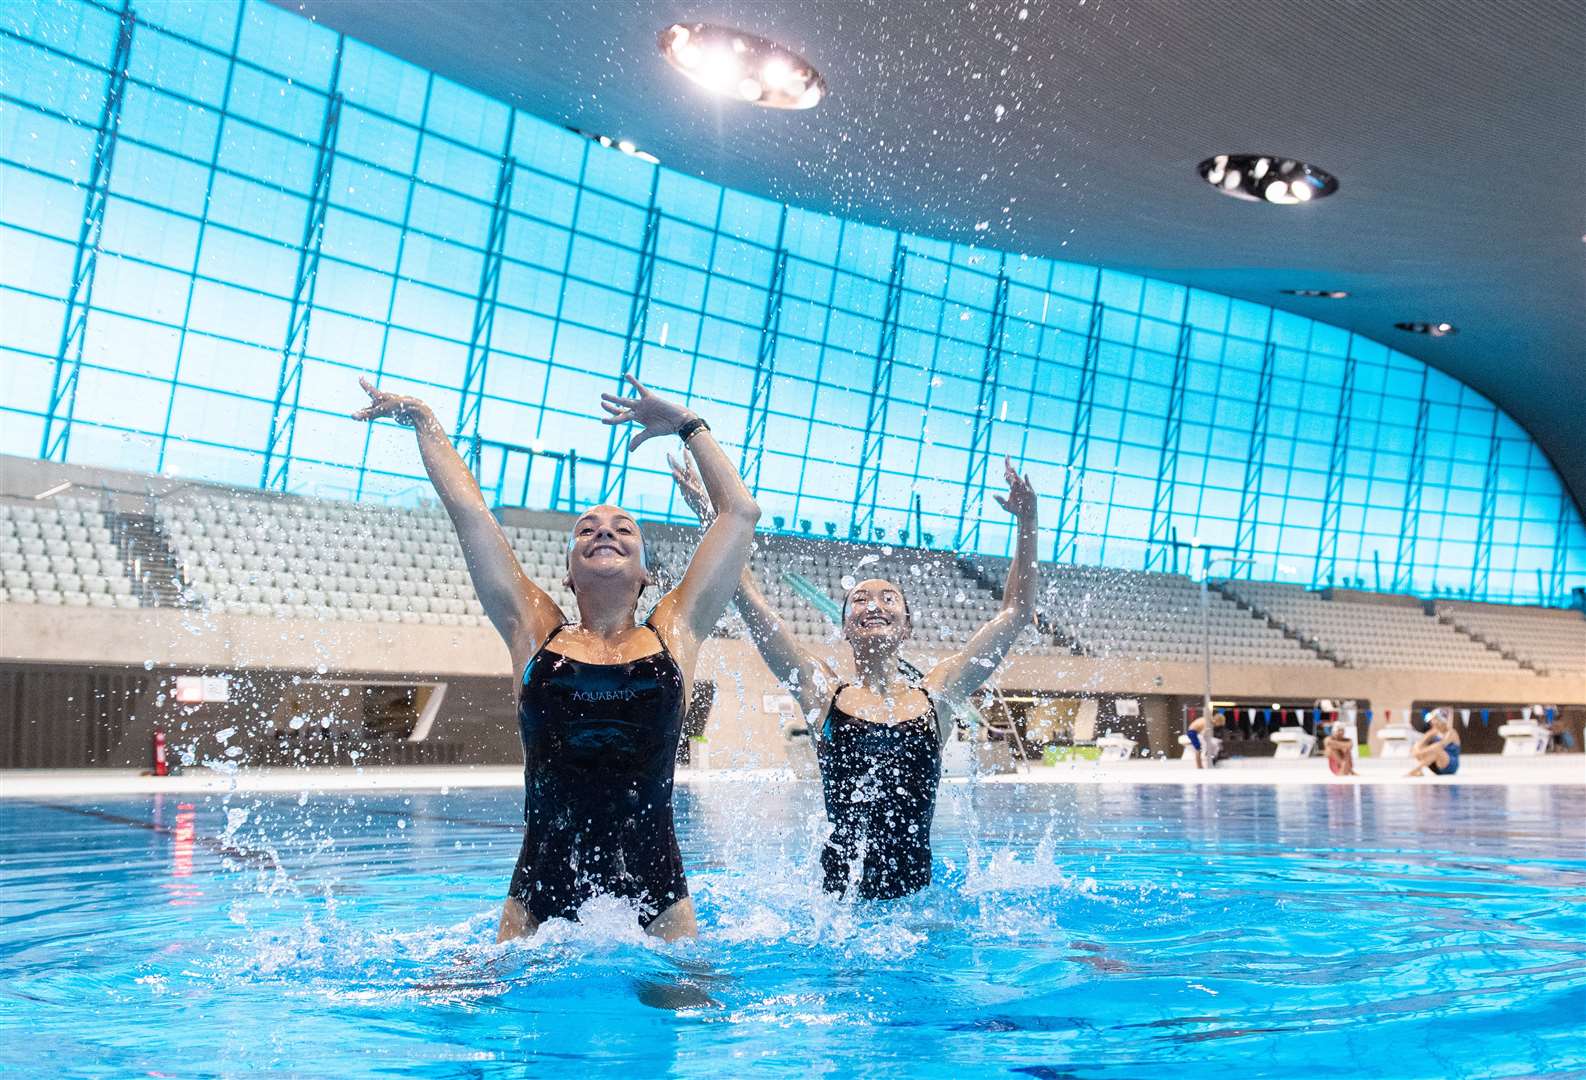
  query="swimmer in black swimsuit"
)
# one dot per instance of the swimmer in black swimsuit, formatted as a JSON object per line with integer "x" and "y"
{"x": 879, "y": 737}
{"x": 600, "y": 700}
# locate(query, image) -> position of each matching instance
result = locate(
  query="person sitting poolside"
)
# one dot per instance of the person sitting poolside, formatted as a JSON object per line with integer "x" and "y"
{"x": 1438, "y": 749}
{"x": 1552, "y": 720}
{"x": 1340, "y": 750}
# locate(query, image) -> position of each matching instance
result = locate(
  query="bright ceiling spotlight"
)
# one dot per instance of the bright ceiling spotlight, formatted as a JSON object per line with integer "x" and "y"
{"x": 776, "y": 72}
{"x": 738, "y": 65}
{"x": 1317, "y": 294}
{"x": 626, "y": 146}
{"x": 1265, "y": 178}
{"x": 1439, "y": 329}
{"x": 720, "y": 69}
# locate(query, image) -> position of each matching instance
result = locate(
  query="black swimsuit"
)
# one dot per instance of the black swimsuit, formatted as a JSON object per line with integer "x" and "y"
{"x": 879, "y": 781}
{"x": 599, "y": 748}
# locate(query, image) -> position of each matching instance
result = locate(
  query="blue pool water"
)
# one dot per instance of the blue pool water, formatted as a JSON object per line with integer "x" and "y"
{"x": 1073, "y": 932}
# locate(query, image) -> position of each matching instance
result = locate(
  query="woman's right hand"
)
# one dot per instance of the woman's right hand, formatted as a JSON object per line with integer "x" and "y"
{"x": 382, "y": 405}
{"x": 690, "y": 486}
{"x": 654, "y": 414}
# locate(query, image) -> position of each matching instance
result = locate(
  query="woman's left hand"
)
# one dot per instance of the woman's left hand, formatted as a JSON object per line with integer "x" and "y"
{"x": 1020, "y": 500}
{"x": 655, "y": 415}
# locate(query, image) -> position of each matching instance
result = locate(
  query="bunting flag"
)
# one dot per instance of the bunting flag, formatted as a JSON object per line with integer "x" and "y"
{"x": 1550, "y": 713}
{"x": 1464, "y": 717}
{"x": 1367, "y": 714}
{"x": 1486, "y": 717}
{"x": 1266, "y": 715}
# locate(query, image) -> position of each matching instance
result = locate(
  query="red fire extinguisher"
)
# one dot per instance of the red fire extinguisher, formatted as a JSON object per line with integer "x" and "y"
{"x": 160, "y": 768}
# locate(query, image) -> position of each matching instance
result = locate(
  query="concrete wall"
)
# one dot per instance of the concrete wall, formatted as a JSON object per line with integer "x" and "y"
{"x": 23, "y": 478}
{"x": 742, "y": 732}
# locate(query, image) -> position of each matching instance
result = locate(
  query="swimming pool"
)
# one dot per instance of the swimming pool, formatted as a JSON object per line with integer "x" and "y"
{"x": 1073, "y": 932}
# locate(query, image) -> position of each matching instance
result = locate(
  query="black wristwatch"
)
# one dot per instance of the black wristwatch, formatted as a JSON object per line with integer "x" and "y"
{"x": 691, "y": 428}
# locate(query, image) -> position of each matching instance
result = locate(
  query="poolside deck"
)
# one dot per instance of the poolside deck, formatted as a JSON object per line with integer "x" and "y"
{"x": 1477, "y": 769}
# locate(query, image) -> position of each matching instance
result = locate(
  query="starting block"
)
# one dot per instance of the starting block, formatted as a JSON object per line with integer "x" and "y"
{"x": 1396, "y": 740}
{"x": 1524, "y": 738}
{"x": 1116, "y": 747}
{"x": 1293, "y": 742}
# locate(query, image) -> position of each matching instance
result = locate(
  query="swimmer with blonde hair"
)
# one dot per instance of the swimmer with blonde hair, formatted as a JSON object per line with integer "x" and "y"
{"x": 600, "y": 699}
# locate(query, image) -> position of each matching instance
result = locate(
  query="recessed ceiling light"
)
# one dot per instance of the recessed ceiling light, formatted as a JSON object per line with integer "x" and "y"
{"x": 626, "y": 146}
{"x": 1317, "y": 294}
{"x": 1267, "y": 178}
{"x": 742, "y": 66}
{"x": 1439, "y": 329}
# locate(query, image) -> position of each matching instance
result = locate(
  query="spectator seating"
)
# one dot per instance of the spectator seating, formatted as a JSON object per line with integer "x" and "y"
{"x": 302, "y": 558}
{"x": 253, "y": 553}
{"x": 1370, "y": 634}
{"x": 1129, "y": 614}
{"x": 946, "y": 604}
{"x": 61, "y": 551}
{"x": 1552, "y": 642}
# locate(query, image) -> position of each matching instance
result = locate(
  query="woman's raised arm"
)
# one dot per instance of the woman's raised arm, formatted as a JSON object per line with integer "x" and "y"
{"x": 723, "y": 552}
{"x": 801, "y": 671}
{"x": 959, "y": 675}
{"x": 520, "y": 610}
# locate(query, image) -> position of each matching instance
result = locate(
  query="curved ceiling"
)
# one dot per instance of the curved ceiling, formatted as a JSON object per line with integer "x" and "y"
{"x": 1071, "y": 128}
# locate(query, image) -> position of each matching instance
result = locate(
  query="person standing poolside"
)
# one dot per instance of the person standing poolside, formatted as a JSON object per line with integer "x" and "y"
{"x": 879, "y": 739}
{"x": 600, "y": 700}
{"x": 1340, "y": 750}
{"x": 1438, "y": 749}
{"x": 1203, "y": 739}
